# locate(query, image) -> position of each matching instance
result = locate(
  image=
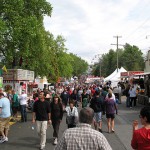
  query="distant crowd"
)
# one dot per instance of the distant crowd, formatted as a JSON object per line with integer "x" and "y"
{"x": 83, "y": 105}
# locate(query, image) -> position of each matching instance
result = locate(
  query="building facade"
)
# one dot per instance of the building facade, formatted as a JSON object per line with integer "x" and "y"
{"x": 147, "y": 63}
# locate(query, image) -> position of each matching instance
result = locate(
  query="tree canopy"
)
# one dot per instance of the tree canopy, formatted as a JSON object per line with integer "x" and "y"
{"x": 128, "y": 57}
{"x": 24, "y": 42}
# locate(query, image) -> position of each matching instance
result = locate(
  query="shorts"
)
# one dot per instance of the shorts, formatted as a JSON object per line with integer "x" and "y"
{"x": 112, "y": 116}
{"x": 98, "y": 116}
{"x": 4, "y": 124}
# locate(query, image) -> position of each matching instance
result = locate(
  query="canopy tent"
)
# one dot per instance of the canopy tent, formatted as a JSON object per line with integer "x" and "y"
{"x": 117, "y": 76}
{"x": 111, "y": 75}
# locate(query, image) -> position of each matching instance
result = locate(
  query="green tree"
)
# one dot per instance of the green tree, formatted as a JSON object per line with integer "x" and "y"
{"x": 22, "y": 24}
{"x": 128, "y": 57}
{"x": 132, "y": 58}
{"x": 24, "y": 42}
{"x": 79, "y": 65}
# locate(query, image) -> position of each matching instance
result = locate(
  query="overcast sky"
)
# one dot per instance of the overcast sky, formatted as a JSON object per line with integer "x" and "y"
{"x": 89, "y": 25}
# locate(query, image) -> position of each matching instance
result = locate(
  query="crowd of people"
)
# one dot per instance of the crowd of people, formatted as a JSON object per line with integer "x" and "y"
{"x": 83, "y": 105}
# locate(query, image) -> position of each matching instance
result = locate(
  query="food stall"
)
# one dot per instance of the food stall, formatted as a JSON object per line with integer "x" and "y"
{"x": 18, "y": 79}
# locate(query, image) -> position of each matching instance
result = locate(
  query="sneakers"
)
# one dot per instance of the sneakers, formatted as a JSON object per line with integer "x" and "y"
{"x": 4, "y": 140}
{"x": 55, "y": 141}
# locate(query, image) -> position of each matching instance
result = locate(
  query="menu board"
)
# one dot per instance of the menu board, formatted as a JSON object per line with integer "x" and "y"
{"x": 18, "y": 74}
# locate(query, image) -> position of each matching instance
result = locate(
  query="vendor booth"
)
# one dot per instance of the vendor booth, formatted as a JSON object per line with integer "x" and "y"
{"x": 18, "y": 79}
{"x": 115, "y": 77}
{"x": 144, "y": 93}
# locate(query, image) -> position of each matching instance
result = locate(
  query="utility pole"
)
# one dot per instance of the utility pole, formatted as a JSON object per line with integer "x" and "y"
{"x": 117, "y": 48}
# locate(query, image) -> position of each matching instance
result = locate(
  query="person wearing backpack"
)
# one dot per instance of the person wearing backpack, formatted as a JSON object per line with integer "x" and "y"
{"x": 97, "y": 104}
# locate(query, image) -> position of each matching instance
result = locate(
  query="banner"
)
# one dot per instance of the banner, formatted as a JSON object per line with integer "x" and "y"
{"x": 4, "y": 68}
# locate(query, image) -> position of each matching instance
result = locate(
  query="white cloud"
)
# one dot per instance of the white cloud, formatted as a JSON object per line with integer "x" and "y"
{"x": 89, "y": 26}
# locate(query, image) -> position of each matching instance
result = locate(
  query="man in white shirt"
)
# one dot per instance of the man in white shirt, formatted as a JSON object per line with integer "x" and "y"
{"x": 23, "y": 103}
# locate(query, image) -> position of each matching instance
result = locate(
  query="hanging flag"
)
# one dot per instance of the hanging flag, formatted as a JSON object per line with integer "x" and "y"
{"x": 4, "y": 68}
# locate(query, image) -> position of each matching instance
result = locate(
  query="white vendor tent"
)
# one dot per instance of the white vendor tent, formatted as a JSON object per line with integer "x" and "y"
{"x": 111, "y": 75}
{"x": 117, "y": 76}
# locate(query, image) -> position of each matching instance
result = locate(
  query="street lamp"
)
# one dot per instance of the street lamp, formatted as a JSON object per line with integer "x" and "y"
{"x": 100, "y": 66}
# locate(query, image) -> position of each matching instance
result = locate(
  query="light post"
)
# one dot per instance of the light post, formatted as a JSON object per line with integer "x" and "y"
{"x": 100, "y": 66}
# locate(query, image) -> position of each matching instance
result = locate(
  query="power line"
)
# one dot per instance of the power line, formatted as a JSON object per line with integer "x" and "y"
{"x": 141, "y": 12}
{"x": 132, "y": 33}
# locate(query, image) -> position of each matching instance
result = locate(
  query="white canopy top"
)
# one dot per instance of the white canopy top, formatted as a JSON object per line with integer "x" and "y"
{"x": 111, "y": 75}
{"x": 116, "y": 77}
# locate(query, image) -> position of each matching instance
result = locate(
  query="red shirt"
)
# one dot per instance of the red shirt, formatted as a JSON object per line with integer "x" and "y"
{"x": 141, "y": 139}
{"x": 93, "y": 91}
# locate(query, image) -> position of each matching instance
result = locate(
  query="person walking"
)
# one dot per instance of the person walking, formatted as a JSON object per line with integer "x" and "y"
{"x": 23, "y": 104}
{"x": 56, "y": 116}
{"x": 72, "y": 115}
{"x": 132, "y": 93}
{"x": 4, "y": 117}
{"x": 141, "y": 137}
{"x": 41, "y": 115}
{"x": 15, "y": 104}
{"x": 10, "y": 97}
{"x": 84, "y": 98}
{"x": 126, "y": 92}
{"x": 65, "y": 97}
{"x": 83, "y": 137}
{"x": 74, "y": 97}
{"x": 97, "y": 104}
{"x": 110, "y": 106}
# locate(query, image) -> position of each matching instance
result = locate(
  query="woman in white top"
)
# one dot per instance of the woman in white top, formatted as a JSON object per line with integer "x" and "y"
{"x": 72, "y": 115}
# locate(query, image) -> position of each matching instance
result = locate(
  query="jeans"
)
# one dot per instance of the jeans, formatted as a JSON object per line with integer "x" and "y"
{"x": 128, "y": 102}
{"x": 41, "y": 130}
{"x": 23, "y": 113}
{"x": 132, "y": 99}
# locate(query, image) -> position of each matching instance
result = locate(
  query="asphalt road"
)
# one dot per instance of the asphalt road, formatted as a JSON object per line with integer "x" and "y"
{"x": 22, "y": 137}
